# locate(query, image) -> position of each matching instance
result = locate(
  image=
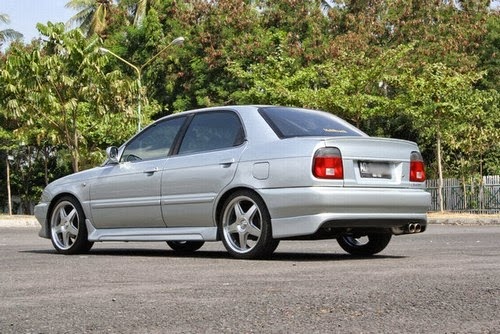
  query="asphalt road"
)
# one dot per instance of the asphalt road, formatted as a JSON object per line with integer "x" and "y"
{"x": 446, "y": 280}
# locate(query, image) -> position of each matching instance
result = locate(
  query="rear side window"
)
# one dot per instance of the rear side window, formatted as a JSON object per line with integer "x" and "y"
{"x": 212, "y": 131}
{"x": 295, "y": 122}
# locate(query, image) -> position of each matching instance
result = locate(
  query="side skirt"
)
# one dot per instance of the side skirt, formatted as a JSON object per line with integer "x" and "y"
{"x": 152, "y": 234}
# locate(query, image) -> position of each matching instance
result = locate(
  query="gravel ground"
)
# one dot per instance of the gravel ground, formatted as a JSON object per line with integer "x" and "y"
{"x": 446, "y": 280}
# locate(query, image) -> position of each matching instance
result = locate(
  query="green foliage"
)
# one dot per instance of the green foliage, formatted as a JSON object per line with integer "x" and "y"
{"x": 352, "y": 86}
{"x": 445, "y": 106}
{"x": 58, "y": 93}
{"x": 490, "y": 54}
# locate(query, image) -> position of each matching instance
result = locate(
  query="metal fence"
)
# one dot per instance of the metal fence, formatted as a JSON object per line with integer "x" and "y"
{"x": 474, "y": 196}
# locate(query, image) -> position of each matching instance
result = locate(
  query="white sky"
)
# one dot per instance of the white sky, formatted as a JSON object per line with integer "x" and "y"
{"x": 25, "y": 14}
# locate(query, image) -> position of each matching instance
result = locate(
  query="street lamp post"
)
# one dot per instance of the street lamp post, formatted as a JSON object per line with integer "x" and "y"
{"x": 138, "y": 71}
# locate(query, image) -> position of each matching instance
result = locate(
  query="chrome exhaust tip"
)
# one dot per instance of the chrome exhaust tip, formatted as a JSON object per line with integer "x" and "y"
{"x": 411, "y": 228}
{"x": 408, "y": 229}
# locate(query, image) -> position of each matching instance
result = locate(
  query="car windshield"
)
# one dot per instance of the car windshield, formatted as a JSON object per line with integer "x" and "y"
{"x": 295, "y": 122}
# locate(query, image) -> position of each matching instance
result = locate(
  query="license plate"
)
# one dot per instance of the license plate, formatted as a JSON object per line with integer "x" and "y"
{"x": 375, "y": 170}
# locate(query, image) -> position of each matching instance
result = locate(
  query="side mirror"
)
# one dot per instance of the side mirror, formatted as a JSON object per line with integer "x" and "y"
{"x": 112, "y": 154}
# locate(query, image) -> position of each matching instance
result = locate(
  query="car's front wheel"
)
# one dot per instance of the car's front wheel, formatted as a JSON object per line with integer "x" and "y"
{"x": 246, "y": 226}
{"x": 67, "y": 227}
{"x": 364, "y": 245}
{"x": 185, "y": 246}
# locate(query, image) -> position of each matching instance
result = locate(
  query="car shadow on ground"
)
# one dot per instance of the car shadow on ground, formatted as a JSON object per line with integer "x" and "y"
{"x": 201, "y": 254}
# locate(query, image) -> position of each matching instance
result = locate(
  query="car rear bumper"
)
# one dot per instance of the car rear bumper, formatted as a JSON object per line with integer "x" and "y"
{"x": 302, "y": 211}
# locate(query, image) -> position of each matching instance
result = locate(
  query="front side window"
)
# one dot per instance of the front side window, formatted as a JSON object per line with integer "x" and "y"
{"x": 154, "y": 142}
{"x": 295, "y": 122}
{"x": 212, "y": 131}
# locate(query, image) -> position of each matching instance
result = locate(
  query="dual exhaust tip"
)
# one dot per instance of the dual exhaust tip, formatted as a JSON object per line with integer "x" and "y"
{"x": 408, "y": 229}
{"x": 414, "y": 228}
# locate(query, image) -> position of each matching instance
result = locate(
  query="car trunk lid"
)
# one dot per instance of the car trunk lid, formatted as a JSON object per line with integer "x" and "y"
{"x": 375, "y": 162}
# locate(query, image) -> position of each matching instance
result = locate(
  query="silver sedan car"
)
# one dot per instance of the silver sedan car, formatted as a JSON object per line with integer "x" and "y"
{"x": 248, "y": 176}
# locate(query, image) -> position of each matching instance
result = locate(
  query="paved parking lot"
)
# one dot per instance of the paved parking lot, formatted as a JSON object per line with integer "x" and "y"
{"x": 446, "y": 280}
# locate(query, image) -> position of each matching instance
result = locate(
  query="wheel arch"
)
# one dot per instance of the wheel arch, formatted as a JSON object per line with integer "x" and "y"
{"x": 222, "y": 199}
{"x": 52, "y": 205}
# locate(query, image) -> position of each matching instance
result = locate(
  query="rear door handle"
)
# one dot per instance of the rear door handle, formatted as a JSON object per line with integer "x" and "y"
{"x": 227, "y": 163}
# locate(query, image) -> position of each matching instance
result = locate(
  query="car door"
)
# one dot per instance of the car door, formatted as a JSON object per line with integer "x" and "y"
{"x": 205, "y": 164}
{"x": 127, "y": 194}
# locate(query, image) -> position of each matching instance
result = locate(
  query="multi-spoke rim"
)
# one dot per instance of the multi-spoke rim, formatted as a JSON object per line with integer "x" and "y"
{"x": 242, "y": 224}
{"x": 64, "y": 225}
{"x": 356, "y": 241}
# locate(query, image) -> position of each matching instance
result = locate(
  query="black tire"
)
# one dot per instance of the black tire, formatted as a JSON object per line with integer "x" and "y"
{"x": 185, "y": 246}
{"x": 68, "y": 231}
{"x": 364, "y": 245}
{"x": 245, "y": 226}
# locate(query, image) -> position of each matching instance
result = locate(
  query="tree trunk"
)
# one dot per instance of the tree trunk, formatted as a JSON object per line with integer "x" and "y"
{"x": 464, "y": 189}
{"x": 46, "y": 165}
{"x": 75, "y": 163}
{"x": 481, "y": 186}
{"x": 75, "y": 154}
{"x": 9, "y": 198}
{"x": 440, "y": 172}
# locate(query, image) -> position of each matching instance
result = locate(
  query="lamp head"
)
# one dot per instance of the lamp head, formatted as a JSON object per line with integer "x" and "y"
{"x": 178, "y": 41}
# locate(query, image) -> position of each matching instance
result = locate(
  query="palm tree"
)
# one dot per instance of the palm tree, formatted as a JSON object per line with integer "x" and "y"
{"x": 8, "y": 34}
{"x": 143, "y": 6}
{"x": 92, "y": 15}
{"x": 139, "y": 8}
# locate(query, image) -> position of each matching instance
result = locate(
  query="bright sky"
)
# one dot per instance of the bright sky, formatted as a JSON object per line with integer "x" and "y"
{"x": 25, "y": 14}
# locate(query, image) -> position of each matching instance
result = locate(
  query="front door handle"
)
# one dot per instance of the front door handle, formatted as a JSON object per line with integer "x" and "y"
{"x": 151, "y": 171}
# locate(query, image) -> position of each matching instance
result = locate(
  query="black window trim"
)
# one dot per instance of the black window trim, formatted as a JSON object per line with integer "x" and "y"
{"x": 180, "y": 135}
{"x": 271, "y": 124}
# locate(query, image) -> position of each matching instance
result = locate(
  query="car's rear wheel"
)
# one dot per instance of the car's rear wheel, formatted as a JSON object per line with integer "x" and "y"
{"x": 246, "y": 226}
{"x": 185, "y": 246}
{"x": 67, "y": 227}
{"x": 364, "y": 245}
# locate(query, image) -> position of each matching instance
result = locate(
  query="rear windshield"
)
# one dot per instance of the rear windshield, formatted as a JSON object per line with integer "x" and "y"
{"x": 295, "y": 122}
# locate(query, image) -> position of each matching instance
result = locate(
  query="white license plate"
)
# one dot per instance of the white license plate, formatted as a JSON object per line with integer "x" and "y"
{"x": 375, "y": 170}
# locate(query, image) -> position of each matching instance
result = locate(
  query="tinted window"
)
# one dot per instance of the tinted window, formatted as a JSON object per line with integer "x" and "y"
{"x": 154, "y": 142}
{"x": 293, "y": 122}
{"x": 212, "y": 131}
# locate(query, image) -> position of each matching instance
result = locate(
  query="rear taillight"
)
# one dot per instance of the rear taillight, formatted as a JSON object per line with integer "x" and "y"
{"x": 417, "y": 168}
{"x": 327, "y": 164}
